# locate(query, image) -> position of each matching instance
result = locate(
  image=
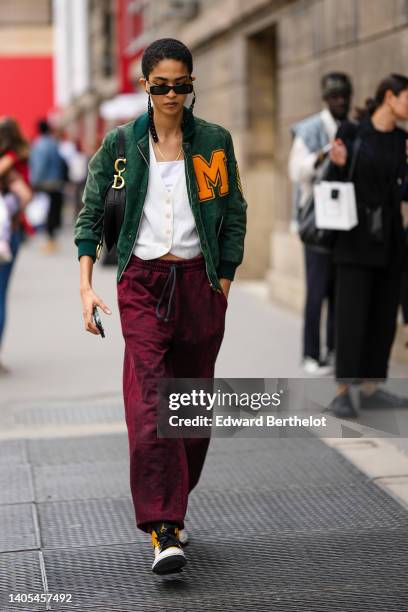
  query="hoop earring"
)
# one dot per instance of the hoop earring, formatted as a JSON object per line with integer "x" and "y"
{"x": 152, "y": 127}
{"x": 190, "y": 109}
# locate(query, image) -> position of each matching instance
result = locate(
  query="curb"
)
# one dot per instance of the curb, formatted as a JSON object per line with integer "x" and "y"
{"x": 382, "y": 462}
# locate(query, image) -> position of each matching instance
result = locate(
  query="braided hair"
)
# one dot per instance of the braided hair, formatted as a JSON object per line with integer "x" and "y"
{"x": 165, "y": 48}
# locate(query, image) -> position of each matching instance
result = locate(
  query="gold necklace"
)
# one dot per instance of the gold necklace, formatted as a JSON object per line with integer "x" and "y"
{"x": 165, "y": 158}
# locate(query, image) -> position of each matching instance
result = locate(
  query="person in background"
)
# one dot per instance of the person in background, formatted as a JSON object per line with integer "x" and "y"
{"x": 77, "y": 173}
{"x": 48, "y": 173}
{"x": 312, "y": 138}
{"x": 15, "y": 195}
{"x": 370, "y": 257}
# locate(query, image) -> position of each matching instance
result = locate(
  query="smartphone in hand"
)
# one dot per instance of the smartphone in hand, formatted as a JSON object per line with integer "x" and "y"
{"x": 98, "y": 322}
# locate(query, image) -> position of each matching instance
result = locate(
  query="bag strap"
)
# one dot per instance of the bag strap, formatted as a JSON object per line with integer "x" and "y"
{"x": 120, "y": 142}
{"x": 356, "y": 150}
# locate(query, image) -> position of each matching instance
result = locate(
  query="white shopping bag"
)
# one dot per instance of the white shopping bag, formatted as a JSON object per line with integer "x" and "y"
{"x": 37, "y": 209}
{"x": 335, "y": 205}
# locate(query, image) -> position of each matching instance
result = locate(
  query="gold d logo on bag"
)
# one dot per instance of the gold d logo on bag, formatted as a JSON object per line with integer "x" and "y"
{"x": 118, "y": 180}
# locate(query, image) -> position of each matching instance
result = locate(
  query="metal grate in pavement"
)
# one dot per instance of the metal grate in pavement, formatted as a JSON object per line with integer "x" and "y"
{"x": 241, "y": 568}
{"x": 77, "y": 450}
{"x": 15, "y": 484}
{"x": 81, "y": 481}
{"x": 287, "y": 527}
{"x": 88, "y": 523}
{"x": 339, "y": 600}
{"x": 114, "y": 447}
{"x": 269, "y": 443}
{"x": 262, "y": 469}
{"x": 12, "y": 451}
{"x": 68, "y": 414}
{"x": 20, "y": 573}
{"x": 292, "y": 511}
{"x": 17, "y": 529}
{"x": 111, "y": 521}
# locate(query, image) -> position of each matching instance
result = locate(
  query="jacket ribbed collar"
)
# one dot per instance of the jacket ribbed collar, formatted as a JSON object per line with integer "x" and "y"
{"x": 141, "y": 127}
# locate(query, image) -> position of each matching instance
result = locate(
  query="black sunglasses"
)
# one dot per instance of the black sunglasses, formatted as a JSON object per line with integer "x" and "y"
{"x": 161, "y": 90}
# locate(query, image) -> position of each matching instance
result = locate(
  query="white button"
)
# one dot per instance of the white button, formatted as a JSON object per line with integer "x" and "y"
{"x": 168, "y": 215}
{"x": 399, "y": 181}
{"x": 168, "y": 200}
{"x": 167, "y": 231}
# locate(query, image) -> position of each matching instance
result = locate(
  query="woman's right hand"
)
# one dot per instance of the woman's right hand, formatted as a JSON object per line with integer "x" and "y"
{"x": 338, "y": 153}
{"x": 89, "y": 300}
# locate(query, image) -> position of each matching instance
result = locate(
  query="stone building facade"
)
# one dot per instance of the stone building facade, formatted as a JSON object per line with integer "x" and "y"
{"x": 258, "y": 65}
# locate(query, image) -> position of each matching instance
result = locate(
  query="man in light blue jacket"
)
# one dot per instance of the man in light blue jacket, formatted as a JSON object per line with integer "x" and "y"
{"x": 48, "y": 173}
{"x": 312, "y": 137}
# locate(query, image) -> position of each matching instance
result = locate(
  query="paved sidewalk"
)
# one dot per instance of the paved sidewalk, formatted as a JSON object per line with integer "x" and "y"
{"x": 283, "y": 524}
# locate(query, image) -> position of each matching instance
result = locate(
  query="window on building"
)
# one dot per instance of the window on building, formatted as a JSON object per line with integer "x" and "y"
{"x": 108, "y": 54}
{"x": 262, "y": 106}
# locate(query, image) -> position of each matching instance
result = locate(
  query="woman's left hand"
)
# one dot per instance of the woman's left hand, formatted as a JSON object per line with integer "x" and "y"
{"x": 338, "y": 153}
{"x": 225, "y": 286}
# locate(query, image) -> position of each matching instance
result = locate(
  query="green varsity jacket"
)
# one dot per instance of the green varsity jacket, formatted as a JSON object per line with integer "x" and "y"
{"x": 213, "y": 187}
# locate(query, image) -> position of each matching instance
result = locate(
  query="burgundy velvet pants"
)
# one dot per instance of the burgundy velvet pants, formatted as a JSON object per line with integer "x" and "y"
{"x": 173, "y": 325}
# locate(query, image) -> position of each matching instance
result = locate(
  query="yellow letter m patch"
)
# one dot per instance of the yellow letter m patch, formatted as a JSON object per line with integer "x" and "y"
{"x": 211, "y": 175}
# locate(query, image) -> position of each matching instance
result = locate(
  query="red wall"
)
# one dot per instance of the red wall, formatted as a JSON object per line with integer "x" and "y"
{"x": 128, "y": 27}
{"x": 26, "y": 91}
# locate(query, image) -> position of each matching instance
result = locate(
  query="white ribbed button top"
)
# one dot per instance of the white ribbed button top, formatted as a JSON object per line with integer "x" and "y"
{"x": 167, "y": 223}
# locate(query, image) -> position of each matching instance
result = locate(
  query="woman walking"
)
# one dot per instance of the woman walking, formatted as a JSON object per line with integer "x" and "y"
{"x": 370, "y": 257}
{"x": 180, "y": 243}
{"x": 15, "y": 194}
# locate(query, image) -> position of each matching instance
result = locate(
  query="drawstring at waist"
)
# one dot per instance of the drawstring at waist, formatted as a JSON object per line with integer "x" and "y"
{"x": 172, "y": 269}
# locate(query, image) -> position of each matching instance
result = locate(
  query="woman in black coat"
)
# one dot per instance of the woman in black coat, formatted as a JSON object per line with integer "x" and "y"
{"x": 370, "y": 257}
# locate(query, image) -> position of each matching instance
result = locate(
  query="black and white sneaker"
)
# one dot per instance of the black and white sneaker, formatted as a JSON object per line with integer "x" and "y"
{"x": 168, "y": 553}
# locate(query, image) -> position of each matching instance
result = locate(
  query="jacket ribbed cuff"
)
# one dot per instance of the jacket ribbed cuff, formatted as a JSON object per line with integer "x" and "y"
{"x": 87, "y": 247}
{"x": 226, "y": 269}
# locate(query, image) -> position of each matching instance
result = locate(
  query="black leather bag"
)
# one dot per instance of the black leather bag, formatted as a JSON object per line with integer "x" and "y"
{"x": 115, "y": 199}
{"x": 320, "y": 240}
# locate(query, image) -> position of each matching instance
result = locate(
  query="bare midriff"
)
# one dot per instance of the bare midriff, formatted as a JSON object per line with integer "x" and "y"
{"x": 171, "y": 257}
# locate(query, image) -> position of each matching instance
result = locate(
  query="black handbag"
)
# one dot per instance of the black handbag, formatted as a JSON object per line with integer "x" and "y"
{"x": 321, "y": 240}
{"x": 115, "y": 199}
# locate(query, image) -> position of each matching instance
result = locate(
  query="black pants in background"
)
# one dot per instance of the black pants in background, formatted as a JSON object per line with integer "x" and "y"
{"x": 320, "y": 283}
{"x": 366, "y": 317}
{"x": 54, "y": 213}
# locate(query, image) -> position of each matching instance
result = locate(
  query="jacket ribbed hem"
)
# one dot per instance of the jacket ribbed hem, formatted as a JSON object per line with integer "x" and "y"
{"x": 226, "y": 269}
{"x": 87, "y": 247}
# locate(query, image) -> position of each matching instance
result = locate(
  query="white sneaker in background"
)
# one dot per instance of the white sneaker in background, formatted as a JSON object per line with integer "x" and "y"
{"x": 315, "y": 368}
{"x": 330, "y": 360}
